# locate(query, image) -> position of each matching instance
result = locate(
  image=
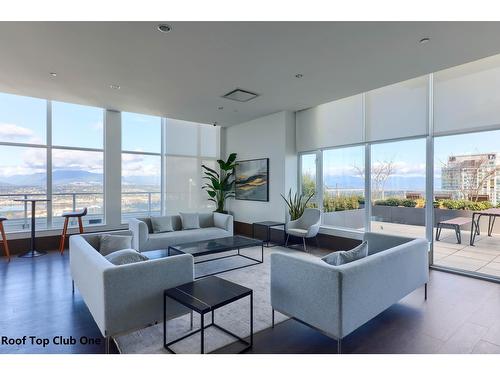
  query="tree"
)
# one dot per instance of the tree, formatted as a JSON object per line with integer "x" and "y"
{"x": 380, "y": 173}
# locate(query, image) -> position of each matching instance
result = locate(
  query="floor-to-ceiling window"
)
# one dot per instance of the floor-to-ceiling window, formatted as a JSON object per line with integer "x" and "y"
{"x": 77, "y": 162}
{"x": 344, "y": 187}
{"x": 398, "y": 187}
{"x": 308, "y": 178}
{"x": 141, "y": 165}
{"x": 23, "y": 159}
{"x": 189, "y": 145}
{"x": 467, "y": 180}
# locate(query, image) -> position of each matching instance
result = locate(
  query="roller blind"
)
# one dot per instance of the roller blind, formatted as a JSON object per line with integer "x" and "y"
{"x": 332, "y": 124}
{"x": 467, "y": 97}
{"x": 398, "y": 110}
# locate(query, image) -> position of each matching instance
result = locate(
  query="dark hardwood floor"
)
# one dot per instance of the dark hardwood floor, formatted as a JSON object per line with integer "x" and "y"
{"x": 462, "y": 315}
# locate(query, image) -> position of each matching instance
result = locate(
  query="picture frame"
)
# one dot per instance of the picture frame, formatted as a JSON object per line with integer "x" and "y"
{"x": 252, "y": 180}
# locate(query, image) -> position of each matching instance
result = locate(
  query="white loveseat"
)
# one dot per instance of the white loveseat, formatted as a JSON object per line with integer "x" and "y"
{"x": 339, "y": 299}
{"x": 212, "y": 225}
{"x": 127, "y": 297}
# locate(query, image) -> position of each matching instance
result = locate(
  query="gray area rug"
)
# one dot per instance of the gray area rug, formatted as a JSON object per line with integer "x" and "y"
{"x": 235, "y": 316}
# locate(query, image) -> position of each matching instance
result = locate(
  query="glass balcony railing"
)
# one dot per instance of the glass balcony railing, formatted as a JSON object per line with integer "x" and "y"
{"x": 134, "y": 204}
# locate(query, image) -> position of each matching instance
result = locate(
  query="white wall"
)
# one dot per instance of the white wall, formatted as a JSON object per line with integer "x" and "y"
{"x": 272, "y": 137}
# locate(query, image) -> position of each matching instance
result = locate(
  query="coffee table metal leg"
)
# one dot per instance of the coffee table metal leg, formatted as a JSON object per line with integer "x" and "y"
{"x": 251, "y": 319}
{"x": 202, "y": 332}
{"x": 164, "y": 321}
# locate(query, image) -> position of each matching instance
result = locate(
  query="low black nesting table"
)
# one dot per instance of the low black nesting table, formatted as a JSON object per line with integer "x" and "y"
{"x": 268, "y": 225}
{"x": 204, "y": 296}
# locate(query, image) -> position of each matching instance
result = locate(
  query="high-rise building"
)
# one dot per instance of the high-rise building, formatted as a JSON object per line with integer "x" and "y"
{"x": 473, "y": 176}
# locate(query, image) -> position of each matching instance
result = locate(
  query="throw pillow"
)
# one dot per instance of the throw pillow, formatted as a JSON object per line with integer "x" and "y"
{"x": 126, "y": 256}
{"x": 190, "y": 220}
{"x": 111, "y": 243}
{"x": 343, "y": 257}
{"x": 162, "y": 224}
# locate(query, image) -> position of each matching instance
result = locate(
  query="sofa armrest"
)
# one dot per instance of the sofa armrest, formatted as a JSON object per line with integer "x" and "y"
{"x": 372, "y": 284}
{"x": 223, "y": 221}
{"x": 140, "y": 233}
{"x": 133, "y": 293}
{"x": 87, "y": 267}
{"x": 308, "y": 289}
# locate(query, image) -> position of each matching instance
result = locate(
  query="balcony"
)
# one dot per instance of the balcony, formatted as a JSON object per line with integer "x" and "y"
{"x": 137, "y": 203}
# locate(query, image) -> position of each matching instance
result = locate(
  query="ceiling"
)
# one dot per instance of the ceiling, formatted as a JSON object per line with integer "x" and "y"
{"x": 183, "y": 74}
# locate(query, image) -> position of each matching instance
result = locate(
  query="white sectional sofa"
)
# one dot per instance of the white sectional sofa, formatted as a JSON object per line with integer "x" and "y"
{"x": 212, "y": 225}
{"x": 339, "y": 299}
{"x": 127, "y": 297}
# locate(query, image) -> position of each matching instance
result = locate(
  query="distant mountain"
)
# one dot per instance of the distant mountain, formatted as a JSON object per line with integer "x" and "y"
{"x": 59, "y": 177}
{"x": 70, "y": 176}
{"x": 393, "y": 182}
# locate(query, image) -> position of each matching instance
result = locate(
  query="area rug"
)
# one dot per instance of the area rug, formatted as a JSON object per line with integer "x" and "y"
{"x": 235, "y": 316}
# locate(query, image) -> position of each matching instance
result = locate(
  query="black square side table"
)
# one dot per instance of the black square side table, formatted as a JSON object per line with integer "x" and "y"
{"x": 268, "y": 225}
{"x": 204, "y": 296}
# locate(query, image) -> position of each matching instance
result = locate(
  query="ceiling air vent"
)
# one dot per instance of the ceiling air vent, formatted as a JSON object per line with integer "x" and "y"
{"x": 240, "y": 95}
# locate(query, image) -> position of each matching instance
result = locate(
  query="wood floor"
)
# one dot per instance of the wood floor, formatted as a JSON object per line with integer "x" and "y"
{"x": 461, "y": 315}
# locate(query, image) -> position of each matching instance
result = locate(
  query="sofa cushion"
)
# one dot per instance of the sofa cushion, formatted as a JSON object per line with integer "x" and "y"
{"x": 162, "y": 224}
{"x": 164, "y": 240}
{"x": 110, "y": 243}
{"x": 190, "y": 220}
{"x": 125, "y": 256}
{"x": 343, "y": 257}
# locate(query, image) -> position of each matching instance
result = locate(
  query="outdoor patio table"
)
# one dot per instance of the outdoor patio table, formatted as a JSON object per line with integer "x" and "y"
{"x": 492, "y": 214}
{"x": 32, "y": 252}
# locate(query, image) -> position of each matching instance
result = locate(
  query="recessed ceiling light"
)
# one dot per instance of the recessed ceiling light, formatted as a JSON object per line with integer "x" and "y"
{"x": 220, "y": 108}
{"x": 53, "y": 74}
{"x": 298, "y": 75}
{"x": 164, "y": 28}
{"x": 424, "y": 40}
{"x": 114, "y": 87}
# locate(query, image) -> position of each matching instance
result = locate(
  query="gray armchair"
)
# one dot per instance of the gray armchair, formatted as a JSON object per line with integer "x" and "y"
{"x": 306, "y": 226}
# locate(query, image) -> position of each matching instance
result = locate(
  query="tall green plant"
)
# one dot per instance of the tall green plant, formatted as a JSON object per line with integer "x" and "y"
{"x": 296, "y": 203}
{"x": 220, "y": 185}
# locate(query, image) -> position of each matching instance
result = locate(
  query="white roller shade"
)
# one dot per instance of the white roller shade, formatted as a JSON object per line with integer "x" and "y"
{"x": 332, "y": 124}
{"x": 397, "y": 111}
{"x": 467, "y": 97}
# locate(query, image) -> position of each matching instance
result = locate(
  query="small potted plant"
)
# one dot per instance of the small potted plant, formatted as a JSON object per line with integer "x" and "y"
{"x": 296, "y": 203}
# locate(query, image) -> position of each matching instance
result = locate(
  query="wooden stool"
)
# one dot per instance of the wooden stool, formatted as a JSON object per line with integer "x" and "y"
{"x": 4, "y": 238}
{"x": 68, "y": 215}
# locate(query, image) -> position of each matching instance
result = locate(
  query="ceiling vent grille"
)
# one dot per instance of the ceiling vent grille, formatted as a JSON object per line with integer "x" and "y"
{"x": 240, "y": 95}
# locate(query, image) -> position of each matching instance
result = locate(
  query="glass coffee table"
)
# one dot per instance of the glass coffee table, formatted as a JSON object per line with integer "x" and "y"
{"x": 220, "y": 245}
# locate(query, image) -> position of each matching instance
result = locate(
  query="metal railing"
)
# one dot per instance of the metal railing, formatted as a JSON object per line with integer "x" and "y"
{"x": 147, "y": 207}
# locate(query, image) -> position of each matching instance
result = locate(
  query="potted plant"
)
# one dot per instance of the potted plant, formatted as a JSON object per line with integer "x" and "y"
{"x": 220, "y": 185}
{"x": 296, "y": 204}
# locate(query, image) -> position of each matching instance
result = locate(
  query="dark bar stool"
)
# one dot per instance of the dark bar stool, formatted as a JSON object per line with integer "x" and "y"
{"x": 4, "y": 238}
{"x": 68, "y": 215}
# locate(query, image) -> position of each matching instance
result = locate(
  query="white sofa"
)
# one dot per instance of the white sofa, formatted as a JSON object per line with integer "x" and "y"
{"x": 339, "y": 299}
{"x": 212, "y": 225}
{"x": 127, "y": 297}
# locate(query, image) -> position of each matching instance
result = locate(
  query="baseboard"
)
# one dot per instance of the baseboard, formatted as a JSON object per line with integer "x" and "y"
{"x": 326, "y": 241}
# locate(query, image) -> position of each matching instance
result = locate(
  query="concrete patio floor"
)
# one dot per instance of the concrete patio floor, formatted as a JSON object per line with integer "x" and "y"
{"x": 483, "y": 257}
